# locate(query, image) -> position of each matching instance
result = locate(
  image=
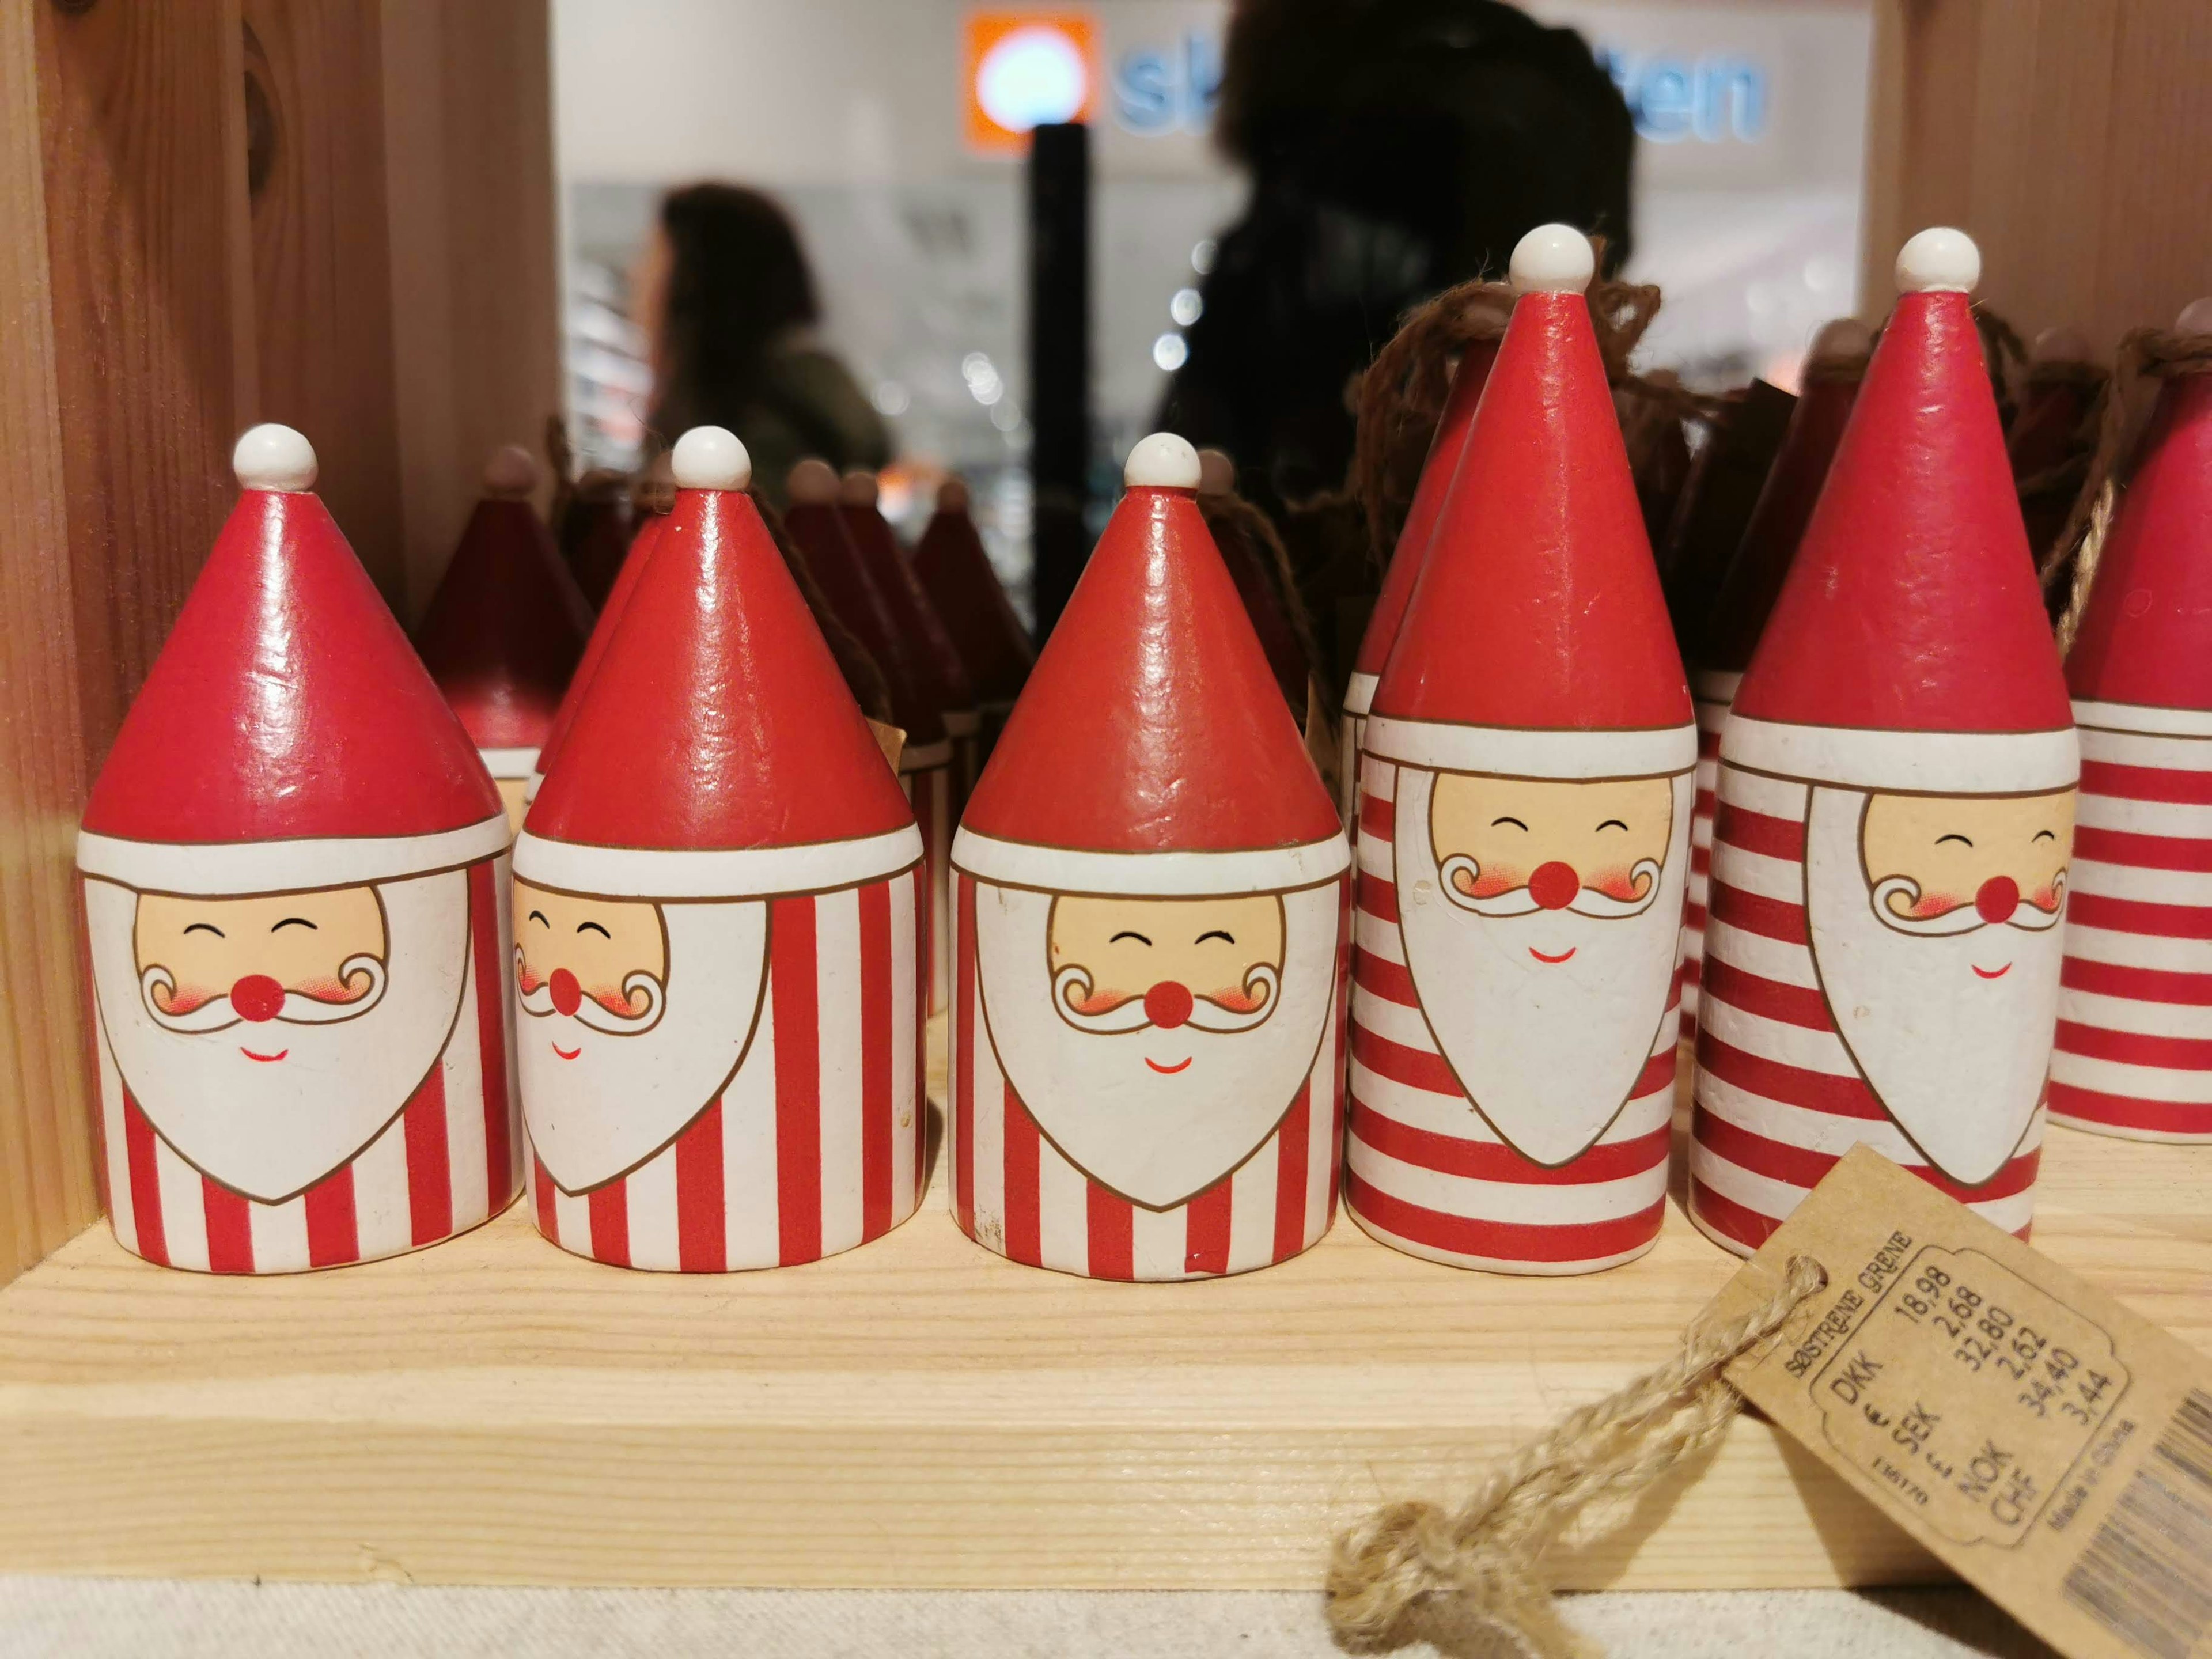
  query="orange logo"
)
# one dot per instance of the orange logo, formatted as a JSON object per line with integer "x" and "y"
{"x": 1025, "y": 69}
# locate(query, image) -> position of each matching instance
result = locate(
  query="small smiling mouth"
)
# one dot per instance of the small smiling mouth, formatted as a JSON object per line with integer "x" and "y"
{"x": 568, "y": 1053}
{"x": 1991, "y": 973}
{"x": 1169, "y": 1071}
{"x": 266, "y": 1060}
{"x": 1562, "y": 957}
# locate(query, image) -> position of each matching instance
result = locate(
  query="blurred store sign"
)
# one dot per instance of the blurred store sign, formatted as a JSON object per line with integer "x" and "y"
{"x": 1714, "y": 99}
{"x": 1160, "y": 89}
{"x": 1024, "y": 69}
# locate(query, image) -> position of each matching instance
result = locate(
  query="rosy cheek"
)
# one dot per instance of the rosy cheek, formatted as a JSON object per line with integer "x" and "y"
{"x": 1236, "y": 999}
{"x": 183, "y": 999}
{"x": 1623, "y": 883}
{"x": 1934, "y": 904}
{"x": 1102, "y": 1001}
{"x": 329, "y": 988}
{"x": 613, "y": 999}
{"x": 525, "y": 979}
{"x": 1492, "y": 880}
{"x": 2045, "y": 897}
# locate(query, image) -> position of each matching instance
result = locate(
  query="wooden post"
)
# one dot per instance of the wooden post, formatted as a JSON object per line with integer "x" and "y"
{"x": 2067, "y": 137}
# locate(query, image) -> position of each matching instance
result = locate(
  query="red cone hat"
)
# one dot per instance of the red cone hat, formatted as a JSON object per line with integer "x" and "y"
{"x": 595, "y": 647}
{"x": 718, "y": 753}
{"x": 287, "y": 732}
{"x": 2146, "y": 638}
{"x": 1834, "y": 370}
{"x": 1913, "y": 605}
{"x": 944, "y": 677}
{"x": 1538, "y": 610}
{"x": 970, "y": 601}
{"x": 1152, "y": 728}
{"x": 824, "y": 534}
{"x": 1445, "y": 450}
{"x": 503, "y": 632}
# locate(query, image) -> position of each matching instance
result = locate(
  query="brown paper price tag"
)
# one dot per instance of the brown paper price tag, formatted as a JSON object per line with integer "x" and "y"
{"x": 2051, "y": 1447}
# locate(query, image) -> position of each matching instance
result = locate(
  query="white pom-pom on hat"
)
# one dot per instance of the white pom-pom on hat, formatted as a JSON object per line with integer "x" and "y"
{"x": 511, "y": 471}
{"x": 858, "y": 488}
{"x": 2196, "y": 318}
{"x": 1939, "y": 260}
{"x": 274, "y": 457}
{"x": 2062, "y": 344}
{"x": 711, "y": 457}
{"x": 811, "y": 482}
{"x": 1840, "y": 340}
{"x": 1161, "y": 461}
{"x": 1217, "y": 473}
{"x": 1553, "y": 259}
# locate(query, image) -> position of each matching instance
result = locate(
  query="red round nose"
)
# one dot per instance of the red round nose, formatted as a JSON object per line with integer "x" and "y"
{"x": 1996, "y": 899}
{"x": 568, "y": 996}
{"x": 257, "y": 997}
{"x": 1554, "y": 885}
{"x": 1167, "y": 1005}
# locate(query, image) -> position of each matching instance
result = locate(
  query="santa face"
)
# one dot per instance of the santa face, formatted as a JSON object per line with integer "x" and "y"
{"x": 635, "y": 1015}
{"x": 1935, "y": 930}
{"x": 1542, "y": 921}
{"x": 1157, "y": 1042}
{"x": 269, "y": 1038}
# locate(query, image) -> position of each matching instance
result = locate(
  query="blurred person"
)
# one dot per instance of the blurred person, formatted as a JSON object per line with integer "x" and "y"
{"x": 728, "y": 306}
{"x": 1397, "y": 147}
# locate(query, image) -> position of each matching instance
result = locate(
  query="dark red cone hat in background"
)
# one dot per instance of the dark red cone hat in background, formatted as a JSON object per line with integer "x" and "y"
{"x": 1718, "y": 502}
{"x": 1913, "y": 605}
{"x": 504, "y": 631}
{"x": 1152, "y": 723}
{"x": 1834, "y": 370}
{"x": 971, "y": 602}
{"x": 595, "y": 533}
{"x": 718, "y": 721}
{"x": 287, "y": 707}
{"x": 824, "y": 535}
{"x": 1247, "y": 565}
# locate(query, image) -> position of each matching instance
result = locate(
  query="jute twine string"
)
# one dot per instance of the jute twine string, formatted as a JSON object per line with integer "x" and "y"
{"x": 2004, "y": 351}
{"x": 1469, "y": 1579}
{"x": 2146, "y": 356}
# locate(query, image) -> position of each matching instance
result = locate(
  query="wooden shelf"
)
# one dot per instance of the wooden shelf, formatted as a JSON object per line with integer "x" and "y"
{"x": 915, "y": 1413}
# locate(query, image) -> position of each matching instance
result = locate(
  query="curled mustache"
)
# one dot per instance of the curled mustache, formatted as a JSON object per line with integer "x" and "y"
{"x": 2027, "y": 915}
{"x": 216, "y": 1014}
{"x": 1071, "y": 985}
{"x": 592, "y": 1013}
{"x": 1520, "y": 902}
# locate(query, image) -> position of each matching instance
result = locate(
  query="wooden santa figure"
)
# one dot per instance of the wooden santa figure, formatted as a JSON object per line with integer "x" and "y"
{"x": 2135, "y": 1004}
{"x": 824, "y": 528}
{"x": 295, "y": 913}
{"x": 505, "y": 629}
{"x": 1150, "y": 931}
{"x": 1896, "y": 808}
{"x": 972, "y": 603}
{"x": 1834, "y": 370}
{"x": 1414, "y": 538}
{"x": 595, "y": 650}
{"x": 1524, "y": 829}
{"x": 718, "y": 926}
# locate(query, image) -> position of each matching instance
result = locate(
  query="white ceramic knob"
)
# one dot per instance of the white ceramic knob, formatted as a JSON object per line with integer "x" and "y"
{"x": 1217, "y": 473}
{"x": 2063, "y": 344}
{"x": 857, "y": 487}
{"x": 811, "y": 482}
{"x": 1553, "y": 259}
{"x": 1161, "y": 461}
{"x": 711, "y": 457}
{"x": 1838, "y": 340}
{"x": 510, "y": 473}
{"x": 1939, "y": 260}
{"x": 273, "y": 457}
{"x": 2196, "y": 318}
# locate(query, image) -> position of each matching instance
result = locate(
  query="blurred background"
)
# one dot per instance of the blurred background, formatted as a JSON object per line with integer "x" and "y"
{"x": 893, "y": 134}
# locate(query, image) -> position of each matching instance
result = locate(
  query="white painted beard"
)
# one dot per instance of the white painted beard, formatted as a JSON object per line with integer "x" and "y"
{"x": 1549, "y": 1051}
{"x": 601, "y": 1094}
{"x": 271, "y": 1129}
{"x": 1958, "y": 1058}
{"x": 1157, "y": 1115}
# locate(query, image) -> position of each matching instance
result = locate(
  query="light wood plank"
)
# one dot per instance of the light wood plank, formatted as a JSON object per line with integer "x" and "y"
{"x": 917, "y": 1413}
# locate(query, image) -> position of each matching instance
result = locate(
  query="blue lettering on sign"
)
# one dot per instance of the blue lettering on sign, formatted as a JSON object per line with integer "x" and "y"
{"x": 1160, "y": 90}
{"x": 1713, "y": 100}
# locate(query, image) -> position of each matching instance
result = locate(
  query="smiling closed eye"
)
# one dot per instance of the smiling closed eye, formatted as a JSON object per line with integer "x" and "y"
{"x": 295, "y": 921}
{"x": 206, "y": 927}
{"x": 1127, "y": 933}
{"x": 1226, "y": 937}
{"x": 538, "y": 916}
{"x": 2043, "y": 835}
{"x": 593, "y": 927}
{"x": 1614, "y": 823}
{"x": 1962, "y": 840}
{"x": 1516, "y": 823}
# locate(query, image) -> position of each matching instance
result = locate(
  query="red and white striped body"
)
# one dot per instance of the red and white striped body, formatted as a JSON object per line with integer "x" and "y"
{"x": 815, "y": 1145}
{"x": 1424, "y": 1171}
{"x": 1014, "y": 1193}
{"x": 450, "y": 1159}
{"x": 1778, "y": 1096}
{"x": 2134, "y": 1055}
{"x": 1711, "y": 692}
{"x": 930, "y": 779}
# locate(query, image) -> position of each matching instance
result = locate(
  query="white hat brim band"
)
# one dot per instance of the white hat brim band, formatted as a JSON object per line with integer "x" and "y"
{"x": 1907, "y": 763}
{"x": 733, "y": 872}
{"x": 1154, "y": 875}
{"x": 509, "y": 763}
{"x": 1359, "y": 695}
{"x": 1514, "y": 751}
{"x": 236, "y": 869}
{"x": 2142, "y": 719}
